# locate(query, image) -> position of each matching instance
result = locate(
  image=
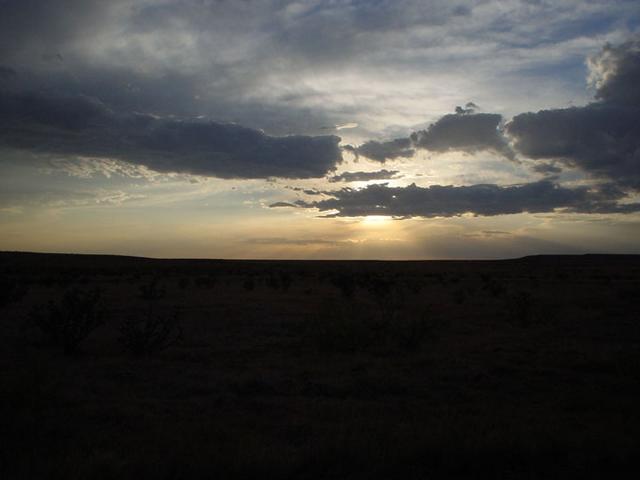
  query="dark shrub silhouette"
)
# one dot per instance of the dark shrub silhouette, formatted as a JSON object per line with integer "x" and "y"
{"x": 152, "y": 291}
{"x": 459, "y": 296}
{"x": 286, "y": 280}
{"x": 350, "y": 327}
{"x": 411, "y": 330}
{"x": 68, "y": 322}
{"x": 149, "y": 332}
{"x": 339, "y": 328}
{"x": 520, "y": 308}
{"x": 346, "y": 284}
{"x": 11, "y": 292}
{"x": 249, "y": 284}
{"x": 273, "y": 282}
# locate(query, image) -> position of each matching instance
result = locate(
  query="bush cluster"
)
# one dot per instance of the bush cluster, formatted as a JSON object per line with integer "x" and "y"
{"x": 68, "y": 322}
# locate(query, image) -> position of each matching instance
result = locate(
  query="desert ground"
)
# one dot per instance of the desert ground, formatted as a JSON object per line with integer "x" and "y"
{"x": 122, "y": 367}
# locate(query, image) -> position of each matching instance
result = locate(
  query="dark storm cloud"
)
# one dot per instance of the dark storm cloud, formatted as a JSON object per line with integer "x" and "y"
{"x": 602, "y": 138}
{"x": 547, "y": 169}
{"x": 382, "y": 151}
{"x": 84, "y": 126}
{"x": 163, "y": 58}
{"x": 364, "y": 176}
{"x": 481, "y": 200}
{"x": 6, "y": 73}
{"x": 463, "y": 131}
{"x": 229, "y": 60}
{"x": 616, "y": 72}
{"x": 31, "y": 29}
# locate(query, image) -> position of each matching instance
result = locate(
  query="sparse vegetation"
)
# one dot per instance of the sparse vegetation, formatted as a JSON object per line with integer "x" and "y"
{"x": 184, "y": 283}
{"x": 286, "y": 279}
{"x": 11, "y": 291}
{"x": 148, "y": 332}
{"x": 520, "y": 308}
{"x": 68, "y": 322}
{"x": 346, "y": 284}
{"x": 249, "y": 284}
{"x": 377, "y": 379}
{"x": 152, "y": 291}
{"x": 355, "y": 327}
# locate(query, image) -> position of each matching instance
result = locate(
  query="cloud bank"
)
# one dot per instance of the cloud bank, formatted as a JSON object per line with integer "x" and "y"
{"x": 480, "y": 200}
{"x": 462, "y": 131}
{"x": 77, "y": 125}
{"x": 135, "y": 80}
{"x": 601, "y": 138}
{"x": 364, "y": 176}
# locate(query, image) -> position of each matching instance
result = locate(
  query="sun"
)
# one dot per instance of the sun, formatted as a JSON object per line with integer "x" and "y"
{"x": 375, "y": 220}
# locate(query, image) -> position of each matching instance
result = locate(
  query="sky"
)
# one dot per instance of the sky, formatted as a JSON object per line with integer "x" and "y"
{"x": 335, "y": 129}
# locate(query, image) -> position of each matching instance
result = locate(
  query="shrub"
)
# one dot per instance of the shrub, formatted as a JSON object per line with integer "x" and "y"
{"x": 249, "y": 284}
{"x": 70, "y": 321}
{"x": 349, "y": 327}
{"x": 346, "y": 284}
{"x": 459, "y": 296}
{"x": 410, "y": 331}
{"x": 148, "y": 332}
{"x": 286, "y": 280}
{"x": 414, "y": 285}
{"x": 382, "y": 289}
{"x": 272, "y": 282}
{"x": 206, "y": 281}
{"x": 151, "y": 291}
{"x": 339, "y": 328}
{"x": 520, "y": 308}
{"x": 11, "y": 292}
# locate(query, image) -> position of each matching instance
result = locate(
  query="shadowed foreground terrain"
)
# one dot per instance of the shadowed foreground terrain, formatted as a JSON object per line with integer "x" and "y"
{"x": 117, "y": 367}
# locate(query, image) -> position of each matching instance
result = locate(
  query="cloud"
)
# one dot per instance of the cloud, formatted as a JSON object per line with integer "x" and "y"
{"x": 307, "y": 191}
{"x": 57, "y": 198}
{"x": 464, "y": 131}
{"x": 84, "y": 126}
{"x": 480, "y": 200}
{"x": 488, "y": 234}
{"x": 300, "y": 242}
{"x": 547, "y": 168}
{"x": 615, "y": 72}
{"x": 601, "y": 138}
{"x": 364, "y": 176}
{"x": 382, "y": 151}
{"x": 293, "y": 66}
{"x": 295, "y": 204}
{"x": 7, "y": 73}
{"x": 346, "y": 126}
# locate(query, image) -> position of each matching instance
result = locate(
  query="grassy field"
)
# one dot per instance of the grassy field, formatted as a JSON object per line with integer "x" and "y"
{"x": 118, "y": 367}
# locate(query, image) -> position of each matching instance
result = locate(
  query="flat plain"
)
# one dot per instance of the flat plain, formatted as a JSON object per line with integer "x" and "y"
{"x": 525, "y": 368}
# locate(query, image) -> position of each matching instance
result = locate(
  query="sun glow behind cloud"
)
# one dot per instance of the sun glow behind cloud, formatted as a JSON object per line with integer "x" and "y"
{"x": 376, "y": 221}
